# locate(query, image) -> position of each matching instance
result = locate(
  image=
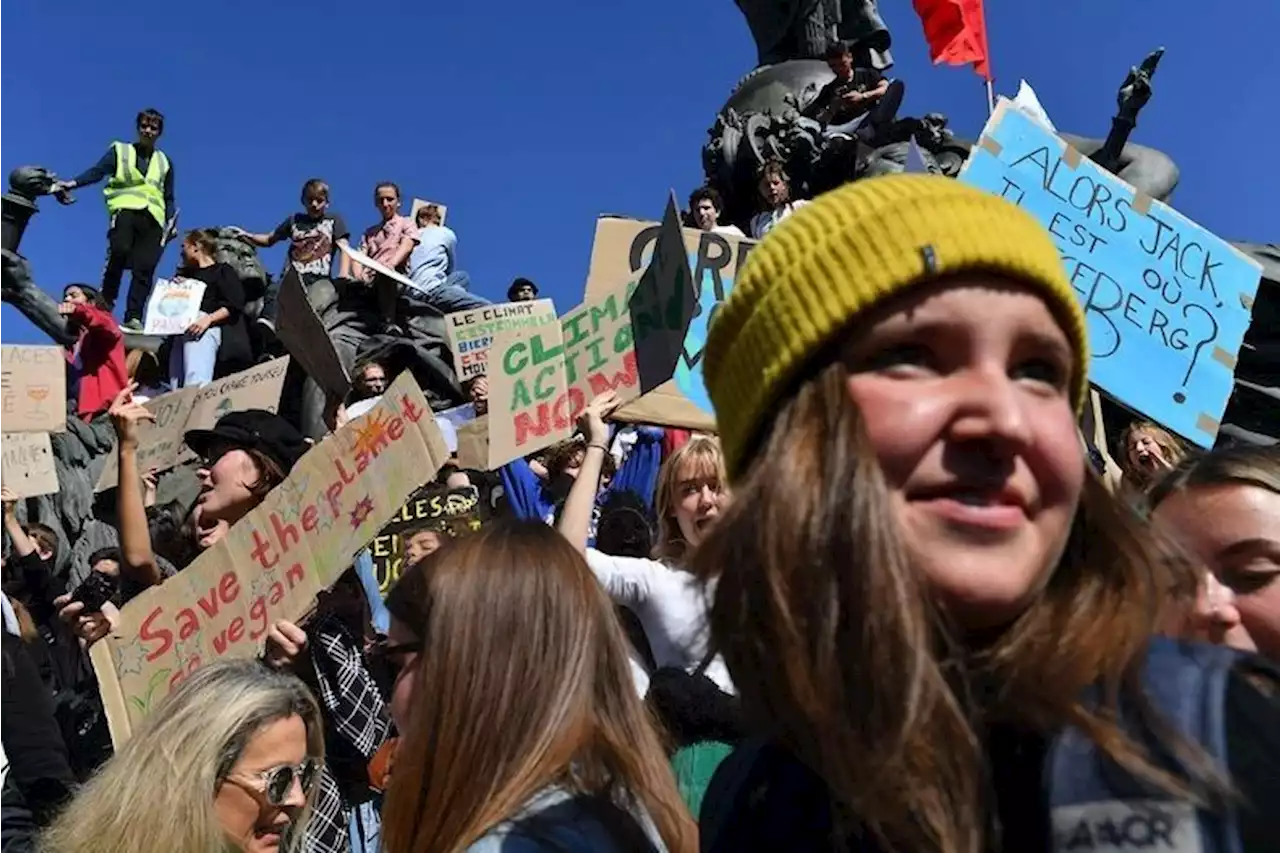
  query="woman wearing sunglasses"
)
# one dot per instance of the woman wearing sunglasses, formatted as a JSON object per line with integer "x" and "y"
{"x": 227, "y": 762}
{"x": 520, "y": 725}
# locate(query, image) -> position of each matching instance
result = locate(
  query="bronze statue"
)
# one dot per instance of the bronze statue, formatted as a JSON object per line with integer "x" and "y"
{"x": 802, "y": 29}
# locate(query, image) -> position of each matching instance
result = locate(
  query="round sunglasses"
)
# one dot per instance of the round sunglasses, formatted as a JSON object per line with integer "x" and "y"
{"x": 276, "y": 783}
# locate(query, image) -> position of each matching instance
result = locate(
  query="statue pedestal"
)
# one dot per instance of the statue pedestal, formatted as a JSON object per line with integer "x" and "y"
{"x": 15, "y": 211}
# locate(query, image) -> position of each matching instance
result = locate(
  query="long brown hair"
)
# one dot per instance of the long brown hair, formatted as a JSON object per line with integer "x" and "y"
{"x": 838, "y": 650}
{"x": 524, "y": 684}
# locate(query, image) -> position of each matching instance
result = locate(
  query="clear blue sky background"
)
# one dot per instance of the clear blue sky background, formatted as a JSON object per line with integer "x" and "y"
{"x": 531, "y": 119}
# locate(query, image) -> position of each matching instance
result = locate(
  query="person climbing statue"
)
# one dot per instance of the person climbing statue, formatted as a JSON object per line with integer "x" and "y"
{"x": 139, "y": 195}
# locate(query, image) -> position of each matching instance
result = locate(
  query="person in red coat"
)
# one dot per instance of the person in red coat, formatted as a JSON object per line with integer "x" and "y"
{"x": 97, "y": 358}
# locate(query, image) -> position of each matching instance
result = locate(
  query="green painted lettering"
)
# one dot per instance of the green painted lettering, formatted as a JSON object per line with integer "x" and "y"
{"x": 514, "y": 359}
{"x": 598, "y": 358}
{"x": 520, "y": 396}
{"x": 571, "y": 325}
{"x": 540, "y": 390}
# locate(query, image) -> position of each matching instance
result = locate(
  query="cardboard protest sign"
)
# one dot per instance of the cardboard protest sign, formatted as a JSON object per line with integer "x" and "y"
{"x": 173, "y": 306}
{"x": 160, "y": 443}
{"x": 33, "y": 382}
{"x": 473, "y": 444}
{"x": 471, "y": 332}
{"x": 419, "y": 203}
{"x": 622, "y": 251}
{"x": 1167, "y": 302}
{"x": 432, "y": 503}
{"x": 28, "y": 467}
{"x": 305, "y": 337}
{"x": 628, "y": 341}
{"x": 274, "y": 561}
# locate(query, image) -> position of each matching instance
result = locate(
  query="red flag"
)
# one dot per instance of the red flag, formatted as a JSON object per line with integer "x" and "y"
{"x": 957, "y": 32}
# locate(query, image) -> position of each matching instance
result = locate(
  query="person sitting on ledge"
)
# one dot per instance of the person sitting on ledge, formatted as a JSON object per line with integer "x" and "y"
{"x": 775, "y": 191}
{"x": 704, "y": 213}
{"x": 432, "y": 267}
{"x": 860, "y": 103}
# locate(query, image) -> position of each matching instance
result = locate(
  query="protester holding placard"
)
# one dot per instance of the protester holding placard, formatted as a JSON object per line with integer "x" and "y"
{"x": 229, "y": 761}
{"x": 774, "y": 185}
{"x": 390, "y": 243}
{"x": 944, "y": 622}
{"x": 528, "y": 737}
{"x": 96, "y": 360}
{"x": 668, "y": 600}
{"x": 216, "y": 344}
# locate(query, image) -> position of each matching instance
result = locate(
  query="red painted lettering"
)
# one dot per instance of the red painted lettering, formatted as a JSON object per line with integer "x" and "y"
{"x": 262, "y": 551}
{"x": 526, "y": 426}
{"x": 626, "y": 378}
{"x": 294, "y": 576}
{"x": 188, "y": 623}
{"x": 411, "y": 411}
{"x": 235, "y": 631}
{"x": 396, "y": 429}
{"x": 229, "y": 587}
{"x": 147, "y": 635}
{"x": 331, "y": 494}
{"x": 342, "y": 471}
{"x": 284, "y": 532}
{"x": 258, "y": 613}
{"x": 277, "y": 593}
{"x": 310, "y": 517}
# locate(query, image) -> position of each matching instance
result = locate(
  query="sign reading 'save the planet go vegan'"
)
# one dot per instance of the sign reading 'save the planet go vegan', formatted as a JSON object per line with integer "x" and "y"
{"x": 1167, "y": 303}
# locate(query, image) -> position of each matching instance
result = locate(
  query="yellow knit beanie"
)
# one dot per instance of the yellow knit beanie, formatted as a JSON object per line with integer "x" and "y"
{"x": 839, "y": 255}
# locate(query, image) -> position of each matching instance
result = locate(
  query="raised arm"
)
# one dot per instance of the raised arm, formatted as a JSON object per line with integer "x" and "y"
{"x": 575, "y": 517}
{"x": 138, "y": 560}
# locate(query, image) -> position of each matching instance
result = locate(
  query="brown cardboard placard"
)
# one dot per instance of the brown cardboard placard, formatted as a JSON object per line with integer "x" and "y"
{"x": 621, "y": 251}
{"x": 160, "y": 443}
{"x": 33, "y": 386}
{"x": 626, "y": 340}
{"x": 305, "y": 337}
{"x": 419, "y": 203}
{"x": 273, "y": 562}
{"x": 28, "y": 470}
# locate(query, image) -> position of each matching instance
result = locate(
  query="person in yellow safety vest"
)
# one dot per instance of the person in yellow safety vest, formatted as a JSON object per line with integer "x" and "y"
{"x": 140, "y": 203}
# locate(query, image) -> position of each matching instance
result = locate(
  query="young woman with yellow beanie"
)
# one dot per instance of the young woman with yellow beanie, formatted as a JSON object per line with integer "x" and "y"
{"x": 941, "y": 622}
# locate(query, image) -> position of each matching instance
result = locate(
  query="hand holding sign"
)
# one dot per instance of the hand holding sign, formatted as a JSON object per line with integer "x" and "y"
{"x": 591, "y": 421}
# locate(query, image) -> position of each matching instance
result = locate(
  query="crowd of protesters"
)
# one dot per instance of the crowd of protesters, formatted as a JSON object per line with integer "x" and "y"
{"x": 897, "y": 601}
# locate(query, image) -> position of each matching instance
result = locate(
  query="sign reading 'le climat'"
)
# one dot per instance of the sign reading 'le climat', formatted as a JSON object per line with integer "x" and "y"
{"x": 1167, "y": 302}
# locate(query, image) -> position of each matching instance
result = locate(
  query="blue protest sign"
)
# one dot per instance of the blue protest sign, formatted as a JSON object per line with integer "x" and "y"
{"x": 1167, "y": 302}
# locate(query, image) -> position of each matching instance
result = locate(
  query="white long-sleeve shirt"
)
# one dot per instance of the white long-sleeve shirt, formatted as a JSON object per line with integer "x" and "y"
{"x": 672, "y": 608}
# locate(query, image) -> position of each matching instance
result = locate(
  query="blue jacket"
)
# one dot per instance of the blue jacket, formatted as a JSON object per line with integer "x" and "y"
{"x": 762, "y": 794}
{"x": 529, "y": 497}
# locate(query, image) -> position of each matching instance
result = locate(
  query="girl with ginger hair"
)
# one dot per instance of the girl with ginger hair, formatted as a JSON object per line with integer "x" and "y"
{"x": 939, "y": 619}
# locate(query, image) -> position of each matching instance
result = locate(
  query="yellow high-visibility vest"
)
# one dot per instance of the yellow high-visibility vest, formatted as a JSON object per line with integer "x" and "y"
{"x": 129, "y": 189}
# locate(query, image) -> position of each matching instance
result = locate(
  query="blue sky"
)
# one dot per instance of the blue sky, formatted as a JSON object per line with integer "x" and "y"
{"x": 531, "y": 119}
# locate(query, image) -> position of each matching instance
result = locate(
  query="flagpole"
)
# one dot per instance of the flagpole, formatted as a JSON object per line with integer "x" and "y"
{"x": 991, "y": 98}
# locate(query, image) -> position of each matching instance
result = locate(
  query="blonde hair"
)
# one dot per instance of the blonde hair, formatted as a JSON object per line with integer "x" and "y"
{"x": 157, "y": 792}
{"x": 700, "y": 455}
{"x": 1174, "y": 452}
